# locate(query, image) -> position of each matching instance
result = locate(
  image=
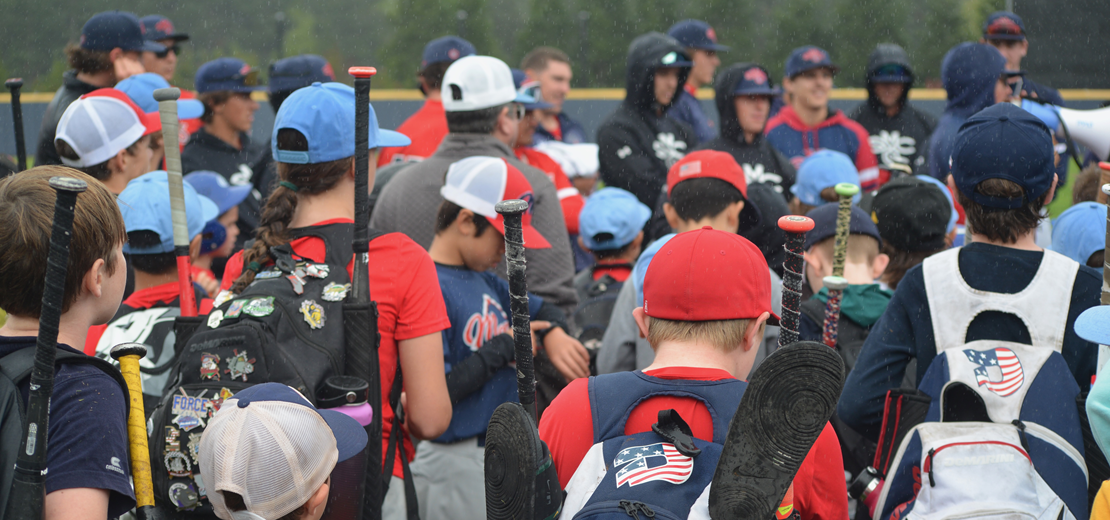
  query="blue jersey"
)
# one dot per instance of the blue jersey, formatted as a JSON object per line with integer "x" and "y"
{"x": 478, "y": 307}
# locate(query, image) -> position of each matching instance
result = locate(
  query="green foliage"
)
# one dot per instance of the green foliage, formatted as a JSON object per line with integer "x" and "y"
{"x": 870, "y": 22}
{"x": 548, "y": 24}
{"x": 976, "y": 12}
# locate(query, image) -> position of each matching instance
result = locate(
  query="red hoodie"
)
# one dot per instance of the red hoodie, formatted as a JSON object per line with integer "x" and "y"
{"x": 789, "y": 135}
{"x": 427, "y": 127}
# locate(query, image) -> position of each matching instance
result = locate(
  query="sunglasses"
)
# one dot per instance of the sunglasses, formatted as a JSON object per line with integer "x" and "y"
{"x": 176, "y": 48}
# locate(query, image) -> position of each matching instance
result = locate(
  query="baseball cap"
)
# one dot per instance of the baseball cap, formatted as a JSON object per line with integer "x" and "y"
{"x": 755, "y": 82}
{"x": 711, "y": 164}
{"x": 100, "y": 124}
{"x": 530, "y": 88}
{"x": 140, "y": 88}
{"x": 1003, "y": 142}
{"x": 823, "y": 169}
{"x": 954, "y": 216}
{"x": 477, "y": 82}
{"x": 145, "y": 206}
{"x": 1080, "y": 231}
{"x": 299, "y": 72}
{"x": 216, "y": 188}
{"x": 227, "y": 74}
{"x": 116, "y": 29}
{"x": 613, "y": 212}
{"x": 1003, "y": 25}
{"x": 268, "y": 444}
{"x": 1094, "y": 324}
{"x": 891, "y": 73}
{"x": 707, "y": 265}
{"x": 446, "y": 48}
{"x": 325, "y": 114}
{"x": 911, "y": 214}
{"x": 824, "y": 225}
{"x": 157, "y": 27}
{"x": 808, "y": 58}
{"x": 695, "y": 34}
{"x": 478, "y": 183}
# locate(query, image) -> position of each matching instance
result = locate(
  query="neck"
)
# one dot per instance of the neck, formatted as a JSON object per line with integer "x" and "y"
{"x": 432, "y": 95}
{"x": 893, "y": 110}
{"x": 219, "y": 128}
{"x": 116, "y": 182}
{"x": 1026, "y": 242}
{"x": 337, "y": 202}
{"x": 99, "y": 79}
{"x": 682, "y": 354}
{"x": 858, "y": 274}
{"x": 148, "y": 280}
{"x": 719, "y": 222}
{"x": 72, "y": 329}
{"x": 549, "y": 119}
{"x": 203, "y": 262}
{"x": 749, "y": 137}
{"x": 811, "y": 116}
{"x": 443, "y": 251}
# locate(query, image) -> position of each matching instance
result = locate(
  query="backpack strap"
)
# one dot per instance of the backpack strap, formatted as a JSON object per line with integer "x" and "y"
{"x": 17, "y": 366}
{"x": 337, "y": 239}
{"x": 395, "y": 446}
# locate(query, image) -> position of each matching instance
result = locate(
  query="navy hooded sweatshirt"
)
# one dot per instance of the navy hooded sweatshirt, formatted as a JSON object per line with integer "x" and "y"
{"x": 969, "y": 73}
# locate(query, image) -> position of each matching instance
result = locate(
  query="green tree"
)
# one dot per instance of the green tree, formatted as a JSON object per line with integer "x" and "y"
{"x": 797, "y": 23}
{"x": 477, "y": 27}
{"x": 416, "y": 22}
{"x": 941, "y": 28}
{"x": 548, "y": 24}
{"x": 609, "y": 31}
{"x": 869, "y": 22}
{"x": 976, "y": 12}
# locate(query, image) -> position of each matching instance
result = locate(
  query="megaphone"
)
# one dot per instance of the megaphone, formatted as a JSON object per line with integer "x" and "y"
{"x": 1090, "y": 128}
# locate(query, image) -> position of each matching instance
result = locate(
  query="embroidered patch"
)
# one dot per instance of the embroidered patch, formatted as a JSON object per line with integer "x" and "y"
{"x": 172, "y": 443}
{"x": 297, "y": 282}
{"x": 194, "y": 447}
{"x": 267, "y": 274}
{"x": 188, "y": 422}
{"x": 183, "y": 495}
{"x": 317, "y": 270}
{"x": 186, "y": 405}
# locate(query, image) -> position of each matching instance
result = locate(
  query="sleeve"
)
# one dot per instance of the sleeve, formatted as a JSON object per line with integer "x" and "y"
{"x": 476, "y": 370}
{"x": 618, "y": 346}
{"x": 568, "y": 429}
{"x": 866, "y": 162}
{"x": 625, "y": 165}
{"x": 569, "y": 198}
{"x": 422, "y": 310}
{"x": 232, "y": 270}
{"x": 549, "y": 312}
{"x": 1080, "y": 354}
{"x": 820, "y": 491}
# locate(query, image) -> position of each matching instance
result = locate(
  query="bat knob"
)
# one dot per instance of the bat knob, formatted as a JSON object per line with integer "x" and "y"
{"x": 835, "y": 283}
{"x": 1106, "y": 188}
{"x": 128, "y": 349}
{"x": 68, "y": 184}
{"x": 167, "y": 94}
{"x": 362, "y": 72}
{"x": 1104, "y": 165}
{"x": 846, "y": 189}
{"x": 14, "y": 83}
{"x": 511, "y": 207}
{"x": 795, "y": 224}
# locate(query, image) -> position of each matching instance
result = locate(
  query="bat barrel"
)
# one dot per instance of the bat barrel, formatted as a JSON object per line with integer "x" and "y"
{"x": 128, "y": 356}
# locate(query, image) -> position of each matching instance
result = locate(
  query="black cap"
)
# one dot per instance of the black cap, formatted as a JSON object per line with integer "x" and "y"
{"x": 824, "y": 225}
{"x": 911, "y": 214}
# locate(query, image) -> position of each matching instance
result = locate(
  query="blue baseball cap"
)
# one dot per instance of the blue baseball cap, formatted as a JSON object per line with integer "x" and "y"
{"x": 1094, "y": 324}
{"x": 350, "y": 436}
{"x": 808, "y": 58}
{"x": 613, "y": 212}
{"x": 527, "y": 88}
{"x": 299, "y": 72}
{"x": 116, "y": 29}
{"x": 157, "y": 27}
{"x": 695, "y": 34}
{"x": 1003, "y": 25}
{"x": 325, "y": 114}
{"x": 145, "y": 205}
{"x": 824, "y": 225}
{"x": 216, "y": 188}
{"x": 1080, "y": 231}
{"x": 1003, "y": 142}
{"x": 447, "y": 48}
{"x": 227, "y": 74}
{"x": 140, "y": 88}
{"x": 823, "y": 169}
{"x": 755, "y": 82}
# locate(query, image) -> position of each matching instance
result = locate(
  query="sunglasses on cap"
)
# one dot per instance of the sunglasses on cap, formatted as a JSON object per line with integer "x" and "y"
{"x": 891, "y": 70}
{"x": 532, "y": 91}
{"x": 517, "y": 111}
{"x": 176, "y": 48}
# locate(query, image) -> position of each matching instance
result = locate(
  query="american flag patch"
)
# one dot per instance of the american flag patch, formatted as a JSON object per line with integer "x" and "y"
{"x": 659, "y": 461}
{"x": 690, "y": 168}
{"x": 1012, "y": 376}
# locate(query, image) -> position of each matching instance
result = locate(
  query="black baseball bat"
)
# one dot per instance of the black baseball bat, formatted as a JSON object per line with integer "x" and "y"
{"x": 27, "y": 497}
{"x": 14, "y": 85}
{"x": 513, "y": 211}
{"x": 795, "y": 227}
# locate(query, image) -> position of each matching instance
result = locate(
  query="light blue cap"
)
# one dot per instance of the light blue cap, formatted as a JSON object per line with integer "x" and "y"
{"x": 615, "y": 212}
{"x": 1080, "y": 231}
{"x": 823, "y": 169}
{"x": 1094, "y": 324}
{"x": 639, "y": 271}
{"x": 325, "y": 114}
{"x": 140, "y": 88}
{"x": 955, "y": 216}
{"x": 145, "y": 205}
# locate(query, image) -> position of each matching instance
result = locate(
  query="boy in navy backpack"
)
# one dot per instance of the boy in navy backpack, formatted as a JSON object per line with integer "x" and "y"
{"x": 478, "y": 348}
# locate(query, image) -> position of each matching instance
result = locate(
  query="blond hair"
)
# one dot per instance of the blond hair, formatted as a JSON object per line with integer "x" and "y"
{"x": 725, "y": 335}
{"x": 862, "y": 249}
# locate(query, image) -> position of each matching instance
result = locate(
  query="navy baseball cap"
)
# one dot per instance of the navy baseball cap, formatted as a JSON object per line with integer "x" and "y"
{"x": 808, "y": 58}
{"x": 824, "y": 225}
{"x": 145, "y": 206}
{"x": 1003, "y": 142}
{"x": 1080, "y": 231}
{"x": 696, "y": 34}
{"x": 325, "y": 114}
{"x": 350, "y": 436}
{"x": 447, "y": 48}
{"x": 611, "y": 219}
{"x": 157, "y": 27}
{"x": 755, "y": 82}
{"x": 299, "y": 72}
{"x": 116, "y": 29}
{"x": 214, "y": 186}
{"x": 227, "y": 74}
{"x": 140, "y": 88}
{"x": 1003, "y": 25}
{"x": 528, "y": 88}
{"x": 823, "y": 169}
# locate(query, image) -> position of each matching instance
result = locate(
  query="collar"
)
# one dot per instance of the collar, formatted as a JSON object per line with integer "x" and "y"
{"x": 691, "y": 373}
{"x": 690, "y": 89}
{"x": 473, "y": 144}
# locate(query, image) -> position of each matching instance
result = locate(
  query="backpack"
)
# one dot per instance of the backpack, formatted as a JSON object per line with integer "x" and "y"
{"x": 596, "y": 301}
{"x": 14, "y": 369}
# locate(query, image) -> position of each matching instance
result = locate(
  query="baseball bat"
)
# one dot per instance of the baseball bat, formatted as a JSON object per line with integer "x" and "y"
{"x": 128, "y": 356}
{"x": 795, "y": 227}
{"x": 836, "y": 283}
{"x": 360, "y": 313}
{"x": 27, "y": 497}
{"x": 1106, "y": 258}
{"x": 513, "y": 211}
{"x": 167, "y": 110}
{"x": 14, "y": 85}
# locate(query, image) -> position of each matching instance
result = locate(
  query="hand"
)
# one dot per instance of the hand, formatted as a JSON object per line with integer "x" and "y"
{"x": 567, "y": 354}
{"x": 209, "y": 284}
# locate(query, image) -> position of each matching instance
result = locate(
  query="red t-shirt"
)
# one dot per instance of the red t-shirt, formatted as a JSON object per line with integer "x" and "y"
{"x": 427, "y": 127}
{"x": 569, "y": 197}
{"x": 188, "y": 127}
{"x": 567, "y": 427}
{"x": 618, "y": 269}
{"x": 403, "y": 281}
{"x": 159, "y": 295}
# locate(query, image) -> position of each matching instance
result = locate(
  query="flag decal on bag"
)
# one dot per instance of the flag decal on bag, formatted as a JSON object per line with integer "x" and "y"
{"x": 999, "y": 370}
{"x": 659, "y": 461}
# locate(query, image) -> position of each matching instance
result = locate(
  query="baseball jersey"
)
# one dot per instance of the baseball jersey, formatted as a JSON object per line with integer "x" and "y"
{"x": 426, "y": 128}
{"x": 789, "y": 135}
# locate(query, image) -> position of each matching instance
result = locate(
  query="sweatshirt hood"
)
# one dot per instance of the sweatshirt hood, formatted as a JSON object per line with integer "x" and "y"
{"x": 863, "y": 304}
{"x": 647, "y": 53}
{"x": 969, "y": 72}
{"x": 887, "y": 54}
{"x": 723, "y": 88}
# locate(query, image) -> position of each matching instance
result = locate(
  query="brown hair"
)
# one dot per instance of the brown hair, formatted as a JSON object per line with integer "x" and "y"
{"x": 211, "y": 100}
{"x": 725, "y": 335}
{"x": 87, "y": 61}
{"x": 309, "y": 179}
{"x": 538, "y": 58}
{"x": 1087, "y": 185}
{"x": 902, "y": 261}
{"x": 449, "y": 212}
{"x": 100, "y": 172}
{"x": 234, "y": 502}
{"x": 433, "y": 73}
{"x": 27, "y": 210}
{"x": 1002, "y": 225}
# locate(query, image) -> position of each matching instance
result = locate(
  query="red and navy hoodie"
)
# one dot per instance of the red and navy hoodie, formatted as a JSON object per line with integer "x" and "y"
{"x": 789, "y": 135}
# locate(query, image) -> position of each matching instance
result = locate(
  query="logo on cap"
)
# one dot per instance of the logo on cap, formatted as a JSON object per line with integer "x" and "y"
{"x": 245, "y": 69}
{"x": 163, "y": 25}
{"x": 711, "y": 34}
{"x": 756, "y": 75}
{"x": 1004, "y": 25}
{"x": 814, "y": 55}
{"x": 527, "y": 197}
{"x": 670, "y": 58}
{"x": 453, "y": 53}
{"x": 690, "y": 168}
{"x": 328, "y": 71}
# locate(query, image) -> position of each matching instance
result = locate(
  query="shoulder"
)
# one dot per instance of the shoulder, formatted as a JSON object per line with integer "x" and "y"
{"x": 96, "y": 392}
{"x": 572, "y": 404}
{"x": 1087, "y": 281}
{"x": 398, "y": 246}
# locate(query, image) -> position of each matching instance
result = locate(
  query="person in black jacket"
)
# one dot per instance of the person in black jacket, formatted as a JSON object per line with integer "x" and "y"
{"x": 899, "y": 132}
{"x": 743, "y": 94}
{"x": 638, "y": 142}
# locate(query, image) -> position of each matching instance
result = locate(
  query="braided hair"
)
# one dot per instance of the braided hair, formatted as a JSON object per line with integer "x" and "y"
{"x": 296, "y": 179}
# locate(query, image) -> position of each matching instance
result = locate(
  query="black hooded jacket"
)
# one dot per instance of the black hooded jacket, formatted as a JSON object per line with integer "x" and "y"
{"x": 71, "y": 89}
{"x": 636, "y": 144}
{"x": 902, "y": 139}
{"x": 761, "y": 162}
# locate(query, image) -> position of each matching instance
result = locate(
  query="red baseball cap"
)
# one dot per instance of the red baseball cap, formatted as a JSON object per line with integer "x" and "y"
{"x": 711, "y": 164}
{"x": 152, "y": 122}
{"x": 706, "y": 275}
{"x": 479, "y": 183}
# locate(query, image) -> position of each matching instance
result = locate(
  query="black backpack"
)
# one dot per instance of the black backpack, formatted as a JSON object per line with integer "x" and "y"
{"x": 596, "y": 299}
{"x": 14, "y": 369}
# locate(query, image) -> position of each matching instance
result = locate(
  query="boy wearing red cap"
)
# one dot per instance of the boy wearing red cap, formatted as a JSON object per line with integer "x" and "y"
{"x": 702, "y": 352}
{"x": 107, "y": 136}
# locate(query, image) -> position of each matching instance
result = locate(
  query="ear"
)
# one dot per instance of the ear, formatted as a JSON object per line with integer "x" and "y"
{"x": 1052, "y": 190}
{"x": 951, "y": 182}
{"x": 638, "y": 242}
{"x": 733, "y": 212}
{"x": 641, "y": 321}
{"x": 464, "y": 223}
{"x": 318, "y": 500}
{"x": 754, "y": 335}
{"x": 93, "y": 281}
{"x": 671, "y": 214}
{"x": 879, "y": 265}
{"x": 194, "y": 247}
{"x": 115, "y": 54}
{"x": 118, "y": 163}
{"x": 583, "y": 244}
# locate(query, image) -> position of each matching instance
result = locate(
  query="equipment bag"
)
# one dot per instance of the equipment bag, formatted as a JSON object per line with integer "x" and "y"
{"x": 596, "y": 301}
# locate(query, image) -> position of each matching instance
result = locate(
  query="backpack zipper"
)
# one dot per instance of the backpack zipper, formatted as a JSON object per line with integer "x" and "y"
{"x": 928, "y": 466}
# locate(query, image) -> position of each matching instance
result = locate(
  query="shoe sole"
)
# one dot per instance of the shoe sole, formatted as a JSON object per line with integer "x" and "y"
{"x": 789, "y": 399}
{"x": 512, "y": 450}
